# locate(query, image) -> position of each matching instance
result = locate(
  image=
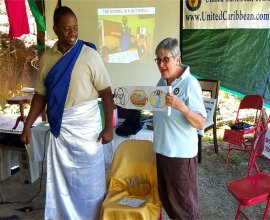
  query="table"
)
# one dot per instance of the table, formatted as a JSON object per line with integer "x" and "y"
{"x": 36, "y": 148}
{"x": 19, "y": 100}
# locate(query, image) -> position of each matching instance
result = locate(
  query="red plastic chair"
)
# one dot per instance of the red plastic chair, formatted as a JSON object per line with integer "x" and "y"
{"x": 236, "y": 138}
{"x": 254, "y": 188}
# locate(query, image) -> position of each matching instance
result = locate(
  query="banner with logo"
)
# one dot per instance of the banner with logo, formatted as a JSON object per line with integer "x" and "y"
{"x": 226, "y": 14}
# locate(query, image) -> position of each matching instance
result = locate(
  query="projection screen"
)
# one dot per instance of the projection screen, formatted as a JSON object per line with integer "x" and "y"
{"x": 126, "y": 33}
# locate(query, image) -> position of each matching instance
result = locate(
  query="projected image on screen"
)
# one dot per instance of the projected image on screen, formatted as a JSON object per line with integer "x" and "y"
{"x": 126, "y": 34}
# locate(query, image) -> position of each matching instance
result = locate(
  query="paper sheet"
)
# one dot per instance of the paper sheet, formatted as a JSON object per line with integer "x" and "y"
{"x": 210, "y": 105}
{"x": 131, "y": 202}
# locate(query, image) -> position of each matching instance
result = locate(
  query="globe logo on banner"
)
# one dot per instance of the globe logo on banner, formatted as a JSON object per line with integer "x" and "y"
{"x": 193, "y": 5}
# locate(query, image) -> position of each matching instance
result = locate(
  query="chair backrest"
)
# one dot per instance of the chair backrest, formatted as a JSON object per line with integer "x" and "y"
{"x": 210, "y": 89}
{"x": 210, "y": 86}
{"x": 252, "y": 102}
{"x": 133, "y": 158}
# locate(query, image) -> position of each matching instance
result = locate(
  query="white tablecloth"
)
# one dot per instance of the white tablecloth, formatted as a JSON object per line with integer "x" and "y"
{"x": 36, "y": 148}
{"x": 109, "y": 149}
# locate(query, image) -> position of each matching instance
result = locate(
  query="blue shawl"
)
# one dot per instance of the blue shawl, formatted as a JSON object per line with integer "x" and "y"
{"x": 57, "y": 84}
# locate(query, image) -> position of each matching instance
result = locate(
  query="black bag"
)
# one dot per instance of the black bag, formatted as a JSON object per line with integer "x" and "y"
{"x": 132, "y": 124}
{"x": 241, "y": 126}
{"x": 128, "y": 128}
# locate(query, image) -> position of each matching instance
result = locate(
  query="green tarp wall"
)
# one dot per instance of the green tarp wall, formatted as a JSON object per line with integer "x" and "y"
{"x": 239, "y": 58}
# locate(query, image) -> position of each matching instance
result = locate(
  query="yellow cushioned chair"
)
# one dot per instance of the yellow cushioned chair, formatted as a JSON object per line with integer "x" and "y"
{"x": 132, "y": 175}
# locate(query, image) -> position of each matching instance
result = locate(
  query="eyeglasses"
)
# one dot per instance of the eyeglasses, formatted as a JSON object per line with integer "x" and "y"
{"x": 164, "y": 60}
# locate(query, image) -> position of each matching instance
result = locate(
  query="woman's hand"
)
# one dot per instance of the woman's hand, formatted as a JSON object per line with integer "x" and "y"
{"x": 195, "y": 119}
{"x": 176, "y": 103}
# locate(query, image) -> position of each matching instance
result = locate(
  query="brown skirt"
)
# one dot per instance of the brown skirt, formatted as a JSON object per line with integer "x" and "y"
{"x": 178, "y": 186}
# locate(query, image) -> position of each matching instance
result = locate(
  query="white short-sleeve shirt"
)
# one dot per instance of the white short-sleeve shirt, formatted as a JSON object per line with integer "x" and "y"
{"x": 173, "y": 135}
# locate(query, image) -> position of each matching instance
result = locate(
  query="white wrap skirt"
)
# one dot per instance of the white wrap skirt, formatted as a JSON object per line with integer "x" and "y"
{"x": 75, "y": 166}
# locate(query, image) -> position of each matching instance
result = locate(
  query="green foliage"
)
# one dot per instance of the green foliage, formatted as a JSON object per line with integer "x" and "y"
{"x": 208, "y": 136}
{"x": 235, "y": 157}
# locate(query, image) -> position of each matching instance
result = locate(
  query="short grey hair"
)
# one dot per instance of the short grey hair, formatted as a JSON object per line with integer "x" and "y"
{"x": 169, "y": 44}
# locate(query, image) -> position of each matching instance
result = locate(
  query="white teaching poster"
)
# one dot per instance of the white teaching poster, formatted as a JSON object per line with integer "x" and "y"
{"x": 266, "y": 150}
{"x": 142, "y": 97}
{"x": 209, "y": 104}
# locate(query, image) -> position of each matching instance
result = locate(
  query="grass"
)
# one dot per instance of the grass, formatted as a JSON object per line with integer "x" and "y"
{"x": 236, "y": 157}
